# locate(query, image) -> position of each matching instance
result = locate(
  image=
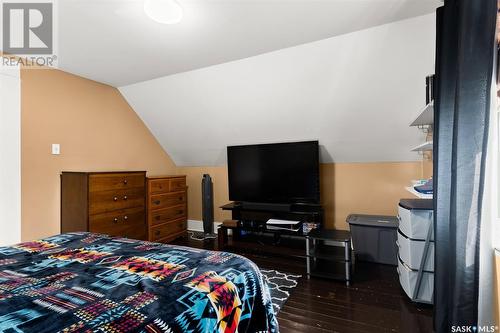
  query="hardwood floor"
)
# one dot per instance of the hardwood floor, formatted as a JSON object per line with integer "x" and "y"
{"x": 373, "y": 303}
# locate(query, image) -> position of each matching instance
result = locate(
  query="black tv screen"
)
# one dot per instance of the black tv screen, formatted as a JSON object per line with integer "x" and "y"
{"x": 274, "y": 173}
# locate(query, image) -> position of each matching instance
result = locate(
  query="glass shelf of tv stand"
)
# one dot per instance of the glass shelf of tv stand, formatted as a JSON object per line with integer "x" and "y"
{"x": 256, "y": 238}
{"x": 256, "y": 227}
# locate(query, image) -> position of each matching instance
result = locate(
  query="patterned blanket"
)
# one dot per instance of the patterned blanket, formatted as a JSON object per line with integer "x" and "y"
{"x": 84, "y": 282}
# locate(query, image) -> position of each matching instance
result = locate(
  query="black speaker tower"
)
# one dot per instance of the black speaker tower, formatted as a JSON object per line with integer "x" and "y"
{"x": 207, "y": 204}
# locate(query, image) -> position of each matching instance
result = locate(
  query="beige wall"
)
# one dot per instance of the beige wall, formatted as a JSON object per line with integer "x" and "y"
{"x": 370, "y": 188}
{"x": 367, "y": 188}
{"x": 97, "y": 131}
{"x": 221, "y": 196}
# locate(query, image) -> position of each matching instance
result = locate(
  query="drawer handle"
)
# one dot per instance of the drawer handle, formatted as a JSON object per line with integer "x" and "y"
{"x": 156, "y": 202}
{"x": 180, "y": 211}
{"x": 157, "y": 217}
{"x": 157, "y": 232}
{"x": 125, "y": 182}
{"x": 180, "y": 198}
{"x": 125, "y": 217}
{"x": 115, "y": 220}
{"x": 115, "y": 199}
{"x": 125, "y": 197}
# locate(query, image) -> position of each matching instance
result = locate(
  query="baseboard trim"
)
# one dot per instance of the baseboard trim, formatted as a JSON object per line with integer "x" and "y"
{"x": 197, "y": 225}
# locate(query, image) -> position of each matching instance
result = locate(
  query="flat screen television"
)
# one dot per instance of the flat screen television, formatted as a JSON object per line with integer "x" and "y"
{"x": 274, "y": 173}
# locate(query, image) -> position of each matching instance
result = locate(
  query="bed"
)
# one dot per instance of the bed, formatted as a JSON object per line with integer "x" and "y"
{"x": 85, "y": 282}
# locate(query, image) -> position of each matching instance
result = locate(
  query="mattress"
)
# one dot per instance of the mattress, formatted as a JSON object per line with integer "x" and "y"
{"x": 85, "y": 282}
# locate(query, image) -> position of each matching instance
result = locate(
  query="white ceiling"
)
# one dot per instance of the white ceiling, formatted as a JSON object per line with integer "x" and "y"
{"x": 114, "y": 42}
{"x": 356, "y": 93}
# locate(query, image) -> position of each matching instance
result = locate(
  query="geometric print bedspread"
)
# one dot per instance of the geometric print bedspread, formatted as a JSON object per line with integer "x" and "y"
{"x": 85, "y": 282}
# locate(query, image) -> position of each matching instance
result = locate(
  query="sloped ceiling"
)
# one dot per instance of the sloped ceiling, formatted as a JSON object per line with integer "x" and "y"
{"x": 357, "y": 93}
{"x": 114, "y": 42}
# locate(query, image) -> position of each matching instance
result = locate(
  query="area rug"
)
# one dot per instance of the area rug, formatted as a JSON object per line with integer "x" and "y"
{"x": 280, "y": 286}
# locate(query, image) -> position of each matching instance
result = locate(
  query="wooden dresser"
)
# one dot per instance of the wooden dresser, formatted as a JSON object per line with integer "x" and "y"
{"x": 166, "y": 208}
{"x": 110, "y": 203}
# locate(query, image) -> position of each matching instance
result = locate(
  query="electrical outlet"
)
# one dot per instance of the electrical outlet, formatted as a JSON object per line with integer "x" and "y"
{"x": 56, "y": 149}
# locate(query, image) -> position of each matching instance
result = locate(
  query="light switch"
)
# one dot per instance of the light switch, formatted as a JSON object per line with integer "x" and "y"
{"x": 56, "y": 149}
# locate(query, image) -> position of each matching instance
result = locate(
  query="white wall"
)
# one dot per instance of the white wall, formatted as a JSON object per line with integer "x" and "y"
{"x": 10, "y": 156}
{"x": 357, "y": 93}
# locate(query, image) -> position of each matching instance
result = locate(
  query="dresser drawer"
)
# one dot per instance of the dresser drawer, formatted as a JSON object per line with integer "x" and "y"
{"x": 133, "y": 232}
{"x": 167, "y": 229}
{"x": 128, "y": 223}
{"x": 159, "y": 186}
{"x": 408, "y": 280}
{"x": 164, "y": 185}
{"x": 177, "y": 184}
{"x": 411, "y": 252}
{"x": 166, "y": 200}
{"x": 115, "y": 181}
{"x": 167, "y": 214}
{"x": 415, "y": 223}
{"x": 107, "y": 201}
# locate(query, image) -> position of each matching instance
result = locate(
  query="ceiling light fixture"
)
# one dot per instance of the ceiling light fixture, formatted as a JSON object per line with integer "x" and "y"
{"x": 163, "y": 11}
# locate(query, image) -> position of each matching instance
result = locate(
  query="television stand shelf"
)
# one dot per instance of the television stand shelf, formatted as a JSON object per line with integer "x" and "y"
{"x": 262, "y": 243}
{"x": 252, "y": 233}
{"x": 328, "y": 252}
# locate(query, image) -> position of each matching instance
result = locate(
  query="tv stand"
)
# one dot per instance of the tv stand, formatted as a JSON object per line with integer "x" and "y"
{"x": 253, "y": 234}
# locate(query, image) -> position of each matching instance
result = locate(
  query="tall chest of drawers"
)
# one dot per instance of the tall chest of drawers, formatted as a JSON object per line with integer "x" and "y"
{"x": 166, "y": 208}
{"x": 110, "y": 203}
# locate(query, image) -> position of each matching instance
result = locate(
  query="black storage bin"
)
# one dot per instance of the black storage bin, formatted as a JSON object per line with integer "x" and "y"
{"x": 374, "y": 238}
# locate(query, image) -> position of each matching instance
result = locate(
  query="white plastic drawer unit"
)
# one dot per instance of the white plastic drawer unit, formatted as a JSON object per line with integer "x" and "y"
{"x": 414, "y": 223}
{"x": 408, "y": 280}
{"x": 411, "y": 252}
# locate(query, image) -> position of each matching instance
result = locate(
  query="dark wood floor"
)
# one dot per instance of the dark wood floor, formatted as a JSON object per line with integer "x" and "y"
{"x": 373, "y": 303}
